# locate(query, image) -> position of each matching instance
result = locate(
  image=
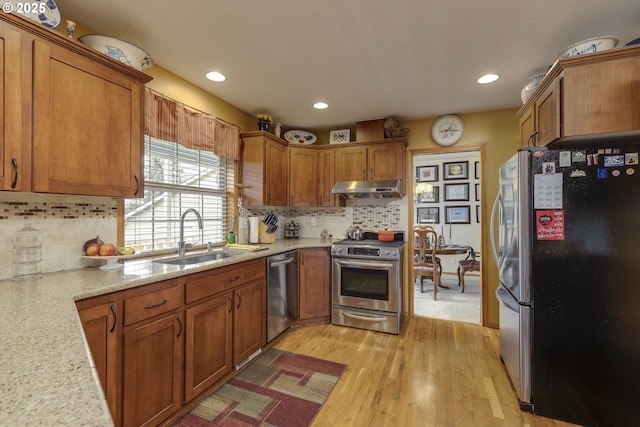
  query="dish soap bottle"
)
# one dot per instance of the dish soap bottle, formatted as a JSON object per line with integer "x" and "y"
{"x": 27, "y": 253}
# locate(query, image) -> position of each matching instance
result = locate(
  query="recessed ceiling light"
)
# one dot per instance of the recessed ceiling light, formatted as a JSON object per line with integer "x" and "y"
{"x": 488, "y": 78}
{"x": 215, "y": 76}
{"x": 320, "y": 105}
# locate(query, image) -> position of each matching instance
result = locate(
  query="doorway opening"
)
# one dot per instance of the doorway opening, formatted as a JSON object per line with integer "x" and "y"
{"x": 446, "y": 194}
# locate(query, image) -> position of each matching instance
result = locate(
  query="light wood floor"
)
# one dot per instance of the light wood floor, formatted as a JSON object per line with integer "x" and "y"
{"x": 435, "y": 373}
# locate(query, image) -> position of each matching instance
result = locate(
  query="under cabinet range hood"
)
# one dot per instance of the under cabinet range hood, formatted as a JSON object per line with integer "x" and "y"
{"x": 368, "y": 189}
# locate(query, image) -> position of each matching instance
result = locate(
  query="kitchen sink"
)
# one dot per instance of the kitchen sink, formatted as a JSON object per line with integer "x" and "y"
{"x": 197, "y": 259}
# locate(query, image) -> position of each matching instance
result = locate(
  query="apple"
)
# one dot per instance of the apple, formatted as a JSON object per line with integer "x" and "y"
{"x": 93, "y": 250}
{"x": 107, "y": 250}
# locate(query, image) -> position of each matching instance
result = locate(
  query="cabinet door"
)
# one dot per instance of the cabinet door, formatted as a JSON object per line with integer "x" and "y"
{"x": 527, "y": 128}
{"x": 315, "y": 284}
{"x": 386, "y": 162}
{"x": 351, "y": 164}
{"x": 208, "y": 346}
{"x": 152, "y": 371}
{"x": 327, "y": 170}
{"x": 87, "y": 126}
{"x": 102, "y": 329}
{"x": 303, "y": 177}
{"x": 547, "y": 114}
{"x": 249, "y": 320}
{"x": 11, "y": 109}
{"x": 276, "y": 171}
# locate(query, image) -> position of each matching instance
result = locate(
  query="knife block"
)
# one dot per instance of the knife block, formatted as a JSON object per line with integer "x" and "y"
{"x": 263, "y": 236}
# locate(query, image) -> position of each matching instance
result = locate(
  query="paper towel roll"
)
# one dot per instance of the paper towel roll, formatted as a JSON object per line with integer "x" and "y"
{"x": 243, "y": 231}
{"x": 253, "y": 229}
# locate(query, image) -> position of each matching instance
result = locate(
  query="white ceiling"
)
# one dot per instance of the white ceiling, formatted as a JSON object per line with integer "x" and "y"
{"x": 368, "y": 59}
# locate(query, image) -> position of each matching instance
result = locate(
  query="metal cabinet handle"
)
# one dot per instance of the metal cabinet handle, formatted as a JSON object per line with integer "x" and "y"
{"x": 115, "y": 318}
{"x": 364, "y": 174}
{"x": 14, "y": 162}
{"x": 371, "y": 176}
{"x": 301, "y": 259}
{"x": 230, "y": 303}
{"x": 180, "y": 323}
{"x": 232, "y": 279}
{"x": 239, "y": 299}
{"x": 137, "y": 185}
{"x": 268, "y": 198}
{"x": 292, "y": 200}
{"x": 148, "y": 307}
{"x": 532, "y": 139}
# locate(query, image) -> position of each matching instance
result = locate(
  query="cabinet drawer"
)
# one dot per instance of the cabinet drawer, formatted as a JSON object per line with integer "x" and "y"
{"x": 159, "y": 299}
{"x": 209, "y": 283}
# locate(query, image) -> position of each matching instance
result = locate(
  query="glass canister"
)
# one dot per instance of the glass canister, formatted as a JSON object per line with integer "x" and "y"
{"x": 27, "y": 253}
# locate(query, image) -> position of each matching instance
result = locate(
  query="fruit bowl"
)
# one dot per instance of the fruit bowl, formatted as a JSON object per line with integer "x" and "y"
{"x": 112, "y": 261}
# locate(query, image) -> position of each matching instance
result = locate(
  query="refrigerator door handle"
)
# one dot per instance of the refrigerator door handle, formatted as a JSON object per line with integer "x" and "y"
{"x": 505, "y": 297}
{"x": 498, "y": 202}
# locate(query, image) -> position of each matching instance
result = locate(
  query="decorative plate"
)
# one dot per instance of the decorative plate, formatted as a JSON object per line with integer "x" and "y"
{"x": 43, "y": 12}
{"x": 299, "y": 137}
{"x": 341, "y": 136}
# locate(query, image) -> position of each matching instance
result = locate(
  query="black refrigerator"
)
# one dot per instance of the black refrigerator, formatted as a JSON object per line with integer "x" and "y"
{"x": 568, "y": 254}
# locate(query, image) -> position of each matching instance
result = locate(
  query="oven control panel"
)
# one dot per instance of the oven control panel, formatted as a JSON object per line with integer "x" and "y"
{"x": 365, "y": 252}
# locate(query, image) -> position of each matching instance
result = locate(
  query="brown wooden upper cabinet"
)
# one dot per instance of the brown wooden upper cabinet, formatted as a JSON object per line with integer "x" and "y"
{"x": 275, "y": 174}
{"x": 76, "y": 125}
{"x": 303, "y": 176}
{"x": 264, "y": 169}
{"x": 375, "y": 161}
{"x": 584, "y": 96}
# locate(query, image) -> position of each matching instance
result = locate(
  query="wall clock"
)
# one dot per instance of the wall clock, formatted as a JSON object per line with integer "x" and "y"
{"x": 447, "y": 130}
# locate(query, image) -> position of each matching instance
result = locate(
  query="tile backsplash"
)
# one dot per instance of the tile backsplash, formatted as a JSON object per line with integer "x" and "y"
{"x": 66, "y": 222}
{"x": 370, "y": 214}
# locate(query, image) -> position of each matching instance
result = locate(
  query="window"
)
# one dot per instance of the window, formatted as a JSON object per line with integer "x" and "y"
{"x": 178, "y": 178}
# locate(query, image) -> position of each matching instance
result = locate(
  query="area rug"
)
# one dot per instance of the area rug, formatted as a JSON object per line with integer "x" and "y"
{"x": 279, "y": 389}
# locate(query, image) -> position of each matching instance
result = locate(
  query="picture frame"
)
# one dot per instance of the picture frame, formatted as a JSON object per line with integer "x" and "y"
{"x": 477, "y": 170}
{"x": 339, "y": 136}
{"x": 456, "y": 170}
{"x": 432, "y": 196}
{"x": 427, "y": 173}
{"x": 457, "y": 214}
{"x": 477, "y": 192}
{"x": 428, "y": 215}
{"x": 456, "y": 192}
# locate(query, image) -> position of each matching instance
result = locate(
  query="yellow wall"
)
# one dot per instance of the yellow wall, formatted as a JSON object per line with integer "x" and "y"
{"x": 497, "y": 134}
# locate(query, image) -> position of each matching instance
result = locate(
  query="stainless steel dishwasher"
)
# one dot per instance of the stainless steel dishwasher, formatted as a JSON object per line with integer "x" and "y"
{"x": 282, "y": 293}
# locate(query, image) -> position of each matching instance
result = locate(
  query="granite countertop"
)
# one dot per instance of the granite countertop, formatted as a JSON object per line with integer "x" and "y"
{"x": 47, "y": 376}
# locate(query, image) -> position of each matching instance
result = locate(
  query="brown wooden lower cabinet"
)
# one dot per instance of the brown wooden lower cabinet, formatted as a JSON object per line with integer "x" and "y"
{"x": 249, "y": 319}
{"x": 103, "y": 331}
{"x": 152, "y": 370}
{"x": 208, "y": 348}
{"x": 314, "y": 280}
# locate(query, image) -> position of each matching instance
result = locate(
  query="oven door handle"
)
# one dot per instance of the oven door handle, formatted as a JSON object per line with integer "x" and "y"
{"x": 376, "y": 265}
{"x": 367, "y": 318}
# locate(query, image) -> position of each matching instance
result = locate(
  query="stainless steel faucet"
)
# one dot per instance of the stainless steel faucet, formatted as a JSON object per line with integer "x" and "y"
{"x": 181, "y": 245}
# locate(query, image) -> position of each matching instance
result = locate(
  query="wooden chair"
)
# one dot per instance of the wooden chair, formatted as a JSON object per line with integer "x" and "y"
{"x": 424, "y": 255}
{"x": 470, "y": 263}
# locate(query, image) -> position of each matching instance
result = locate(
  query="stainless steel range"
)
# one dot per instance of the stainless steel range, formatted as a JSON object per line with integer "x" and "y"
{"x": 367, "y": 284}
